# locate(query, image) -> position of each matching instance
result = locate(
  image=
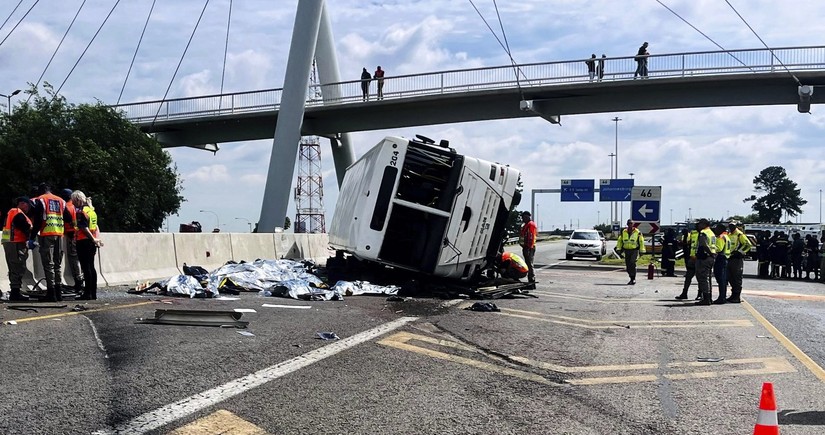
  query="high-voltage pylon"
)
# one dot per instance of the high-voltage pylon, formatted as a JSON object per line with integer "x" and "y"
{"x": 309, "y": 191}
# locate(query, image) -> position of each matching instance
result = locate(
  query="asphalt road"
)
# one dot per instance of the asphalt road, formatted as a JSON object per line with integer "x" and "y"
{"x": 590, "y": 355}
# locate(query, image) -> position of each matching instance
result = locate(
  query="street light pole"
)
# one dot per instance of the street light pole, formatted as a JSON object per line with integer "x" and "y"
{"x": 217, "y": 219}
{"x": 616, "y": 120}
{"x": 248, "y": 222}
{"x": 8, "y": 99}
{"x": 612, "y": 204}
{"x": 820, "y": 207}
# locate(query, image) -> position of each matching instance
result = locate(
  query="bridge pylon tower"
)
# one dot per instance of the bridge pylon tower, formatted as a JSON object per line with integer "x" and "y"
{"x": 309, "y": 189}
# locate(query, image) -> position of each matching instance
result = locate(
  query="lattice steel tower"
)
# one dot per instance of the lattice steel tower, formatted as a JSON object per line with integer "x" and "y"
{"x": 309, "y": 192}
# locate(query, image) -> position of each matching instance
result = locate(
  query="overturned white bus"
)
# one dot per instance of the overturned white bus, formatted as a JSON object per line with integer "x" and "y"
{"x": 411, "y": 204}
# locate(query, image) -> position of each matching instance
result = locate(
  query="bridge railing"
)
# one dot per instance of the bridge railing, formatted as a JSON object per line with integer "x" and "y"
{"x": 706, "y": 63}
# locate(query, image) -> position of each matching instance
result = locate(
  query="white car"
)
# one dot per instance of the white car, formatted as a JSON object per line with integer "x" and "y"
{"x": 585, "y": 243}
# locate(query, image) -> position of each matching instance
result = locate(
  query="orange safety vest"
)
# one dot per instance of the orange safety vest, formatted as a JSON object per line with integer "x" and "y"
{"x": 527, "y": 236}
{"x": 10, "y": 235}
{"x": 53, "y": 206}
{"x": 516, "y": 262}
{"x": 69, "y": 227}
{"x": 91, "y": 218}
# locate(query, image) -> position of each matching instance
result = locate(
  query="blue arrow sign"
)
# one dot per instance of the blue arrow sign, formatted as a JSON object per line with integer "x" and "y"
{"x": 645, "y": 211}
{"x": 577, "y": 190}
{"x": 615, "y": 189}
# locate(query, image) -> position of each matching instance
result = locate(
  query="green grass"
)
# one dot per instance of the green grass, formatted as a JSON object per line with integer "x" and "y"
{"x": 643, "y": 260}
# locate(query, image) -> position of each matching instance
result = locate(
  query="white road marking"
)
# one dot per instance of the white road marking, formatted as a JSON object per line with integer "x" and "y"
{"x": 166, "y": 414}
{"x": 97, "y": 337}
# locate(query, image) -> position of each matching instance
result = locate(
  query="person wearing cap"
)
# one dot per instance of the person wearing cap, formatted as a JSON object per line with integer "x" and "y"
{"x": 630, "y": 244}
{"x": 739, "y": 248}
{"x": 688, "y": 241}
{"x": 720, "y": 265}
{"x": 527, "y": 240}
{"x": 704, "y": 252}
{"x": 47, "y": 220}
{"x": 69, "y": 222}
{"x": 16, "y": 245}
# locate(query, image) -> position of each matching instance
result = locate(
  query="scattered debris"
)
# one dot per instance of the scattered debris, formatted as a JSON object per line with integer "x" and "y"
{"x": 355, "y": 288}
{"x": 396, "y": 298}
{"x": 10, "y": 322}
{"x": 196, "y": 318}
{"x": 302, "y": 307}
{"x": 763, "y": 336}
{"x": 26, "y": 309}
{"x": 246, "y": 333}
{"x": 483, "y": 307}
{"x": 244, "y": 310}
{"x": 79, "y": 307}
{"x": 328, "y": 336}
{"x": 709, "y": 359}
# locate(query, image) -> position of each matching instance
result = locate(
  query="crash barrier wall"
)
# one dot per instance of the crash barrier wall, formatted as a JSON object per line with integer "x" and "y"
{"x": 129, "y": 257}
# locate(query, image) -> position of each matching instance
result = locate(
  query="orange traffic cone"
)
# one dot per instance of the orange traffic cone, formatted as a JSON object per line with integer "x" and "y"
{"x": 767, "y": 422}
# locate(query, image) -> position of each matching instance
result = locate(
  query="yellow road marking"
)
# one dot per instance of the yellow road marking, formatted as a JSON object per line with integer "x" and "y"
{"x": 74, "y": 313}
{"x": 617, "y": 324}
{"x": 401, "y": 340}
{"x": 219, "y": 422}
{"x": 788, "y": 344}
{"x": 784, "y": 295}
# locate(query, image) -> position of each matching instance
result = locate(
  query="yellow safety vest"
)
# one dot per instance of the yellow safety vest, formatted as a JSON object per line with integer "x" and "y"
{"x": 739, "y": 242}
{"x": 631, "y": 241}
{"x": 711, "y": 240}
{"x": 53, "y": 206}
{"x": 723, "y": 244}
{"x": 92, "y": 217}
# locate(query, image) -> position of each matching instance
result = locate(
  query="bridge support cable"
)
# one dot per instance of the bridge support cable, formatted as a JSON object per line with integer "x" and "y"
{"x": 180, "y": 61}
{"x": 328, "y": 73}
{"x": 290, "y": 115}
{"x": 11, "y": 14}
{"x": 503, "y": 46}
{"x": 57, "y": 92}
{"x": 18, "y": 21}
{"x": 706, "y": 36}
{"x": 225, "y": 51}
{"x": 763, "y": 43}
{"x": 56, "y": 49}
{"x": 134, "y": 56}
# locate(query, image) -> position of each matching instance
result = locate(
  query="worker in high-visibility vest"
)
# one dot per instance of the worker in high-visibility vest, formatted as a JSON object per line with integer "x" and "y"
{"x": 527, "y": 240}
{"x": 512, "y": 266}
{"x": 631, "y": 244}
{"x": 69, "y": 223}
{"x": 47, "y": 219}
{"x": 705, "y": 254}
{"x": 15, "y": 245}
{"x": 740, "y": 246}
{"x": 720, "y": 265}
{"x": 88, "y": 240}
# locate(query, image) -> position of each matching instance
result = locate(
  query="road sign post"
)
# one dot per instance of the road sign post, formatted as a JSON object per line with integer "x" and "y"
{"x": 645, "y": 207}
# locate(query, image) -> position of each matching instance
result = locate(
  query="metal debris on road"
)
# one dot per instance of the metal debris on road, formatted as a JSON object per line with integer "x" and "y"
{"x": 244, "y": 310}
{"x": 246, "y": 333}
{"x": 328, "y": 336}
{"x": 709, "y": 359}
{"x": 10, "y": 322}
{"x": 79, "y": 307}
{"x": 196, "y": 318}
{"x": 396, "y": 298}
{"x": 33, "y": 307}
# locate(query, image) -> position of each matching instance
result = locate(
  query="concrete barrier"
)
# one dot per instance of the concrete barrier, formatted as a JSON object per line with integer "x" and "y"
{"x": 208, "y": 250}
{"x": 249, "y": 247}
{"x": 129, "y": 257}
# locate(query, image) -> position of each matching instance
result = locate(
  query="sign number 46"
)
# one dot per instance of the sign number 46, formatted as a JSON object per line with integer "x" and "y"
{"x": 646, "y": 193}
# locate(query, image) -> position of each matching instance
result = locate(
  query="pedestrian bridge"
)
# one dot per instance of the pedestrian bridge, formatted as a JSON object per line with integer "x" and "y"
{"x": 549, "y": 89}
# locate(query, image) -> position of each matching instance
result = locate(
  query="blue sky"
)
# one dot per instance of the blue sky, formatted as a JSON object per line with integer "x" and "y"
{"x": 704, "y": 159}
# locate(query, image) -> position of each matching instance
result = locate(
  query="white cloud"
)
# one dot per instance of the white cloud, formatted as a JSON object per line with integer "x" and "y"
{"x": 208, "y": 174}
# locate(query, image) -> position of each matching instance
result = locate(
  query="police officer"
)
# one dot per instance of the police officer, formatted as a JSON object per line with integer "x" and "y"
{"x": 669, "y": 252}
{"x": 47, "y": 220}
{"x": 631, "y": 243}
{"x": 704, "y": 251}
{"x": 688, "y": 241}
{"x": 527, "y": 240}
{"x": 739, "y": 248}
{"x": 16, "y": 245}
{"x": 720, "y": 265}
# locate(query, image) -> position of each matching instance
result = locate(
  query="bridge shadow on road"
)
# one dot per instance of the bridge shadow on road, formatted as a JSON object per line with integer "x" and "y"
{"x": 792, "y": 416}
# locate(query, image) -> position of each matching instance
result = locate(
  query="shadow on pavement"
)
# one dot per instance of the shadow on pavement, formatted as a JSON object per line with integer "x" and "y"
{"x": 792, "y": 416}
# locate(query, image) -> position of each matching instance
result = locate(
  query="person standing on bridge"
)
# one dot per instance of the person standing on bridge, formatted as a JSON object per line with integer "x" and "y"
{"x": 641, "y": 62}
{"x": 527, "y": 240}
{"x": 591, "y": 66}
{"x": 16, "y": 246}
{"x": 379, "y": 81}
{"x": 600, "y": 68}
{"x": 365, "y": 85}
{"x": 631, "y": 243}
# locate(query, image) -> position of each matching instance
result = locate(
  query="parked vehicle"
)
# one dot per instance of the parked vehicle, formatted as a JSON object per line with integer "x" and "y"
{"x": 650, "y": 247}
{"x": 585, "y": 243}
{"x": 415, "y": 205}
